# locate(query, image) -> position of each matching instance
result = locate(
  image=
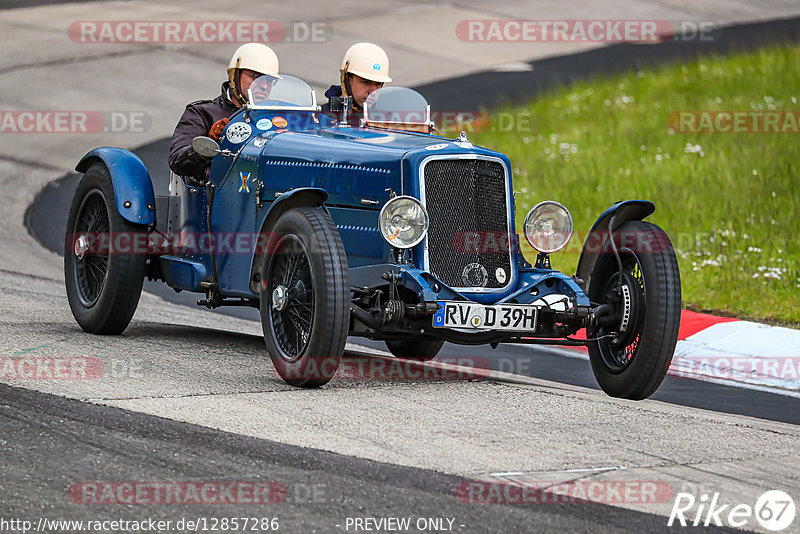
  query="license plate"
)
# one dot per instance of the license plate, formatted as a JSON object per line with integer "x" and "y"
{"x": 485, "y": 317}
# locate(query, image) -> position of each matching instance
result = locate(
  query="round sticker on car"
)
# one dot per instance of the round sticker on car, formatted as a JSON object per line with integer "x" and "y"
{"x": 279, "y": 122}
{"x": 436, "y": 147}
{"x": 500, "y": 274}
{"x": 238, "y": 132}
{"x": 264, "y": 124}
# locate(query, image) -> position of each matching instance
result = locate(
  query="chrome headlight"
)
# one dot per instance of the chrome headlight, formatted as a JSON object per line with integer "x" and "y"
{"x": 403, "y": 222}
{"x": 548, "y": 226}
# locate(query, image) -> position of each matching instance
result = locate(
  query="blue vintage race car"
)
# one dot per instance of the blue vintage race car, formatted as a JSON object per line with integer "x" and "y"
{"x": 379, "y": 230}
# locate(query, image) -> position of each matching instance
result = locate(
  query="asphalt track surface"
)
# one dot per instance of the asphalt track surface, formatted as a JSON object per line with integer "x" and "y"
{"x": 316, "y": 490}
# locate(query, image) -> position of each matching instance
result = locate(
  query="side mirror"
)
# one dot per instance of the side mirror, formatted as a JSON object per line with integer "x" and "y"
{"x": 205, "y": 146}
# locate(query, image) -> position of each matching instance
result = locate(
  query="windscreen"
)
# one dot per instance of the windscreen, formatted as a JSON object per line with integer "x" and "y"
{"x": 396, "y": 106}
{"x": 280, "y": 92}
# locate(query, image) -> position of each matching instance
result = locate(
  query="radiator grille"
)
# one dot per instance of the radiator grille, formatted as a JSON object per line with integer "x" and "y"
{"x": 468, "y": 234}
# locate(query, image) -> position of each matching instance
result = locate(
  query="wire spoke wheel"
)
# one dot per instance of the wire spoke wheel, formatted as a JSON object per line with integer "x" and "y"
{"x": 292, "y": 290}
{"x": 305, "y": 297}
{"x": 91, "y": 266}
{"x": 630, "y": 295}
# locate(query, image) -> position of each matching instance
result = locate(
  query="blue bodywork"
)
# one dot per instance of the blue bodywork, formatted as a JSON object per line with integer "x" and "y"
{"x": 298, "y": 158}
{"x": 131, "y": 180}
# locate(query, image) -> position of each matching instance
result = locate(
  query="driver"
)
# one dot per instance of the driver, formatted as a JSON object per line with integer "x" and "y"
{"x": 364, "y": 69}
{"x": 209, "y": 117}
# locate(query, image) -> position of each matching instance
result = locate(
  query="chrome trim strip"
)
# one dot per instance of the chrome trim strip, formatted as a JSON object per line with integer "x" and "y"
{"x": 426, "y": 258}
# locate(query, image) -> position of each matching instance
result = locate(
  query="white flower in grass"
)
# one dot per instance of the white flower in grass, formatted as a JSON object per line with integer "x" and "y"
{"x": 755, "y": 172}
{"x": 694, "y": 149}
{"x": 773, "y": 275}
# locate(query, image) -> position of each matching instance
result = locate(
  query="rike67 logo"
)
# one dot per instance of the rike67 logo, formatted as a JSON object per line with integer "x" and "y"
{"x": 774, "y": 510}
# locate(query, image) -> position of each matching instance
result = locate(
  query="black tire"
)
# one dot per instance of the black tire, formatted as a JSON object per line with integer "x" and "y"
{"x": 104, "y": 286}
{"x": 420, "y": 351}
{"x": 306, "y": 334}
{"x": 633, "y": 364}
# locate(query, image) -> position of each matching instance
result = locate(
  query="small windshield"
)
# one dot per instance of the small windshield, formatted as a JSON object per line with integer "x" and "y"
{"x": 399, "y": 108}
{"x": 270, "y": 92}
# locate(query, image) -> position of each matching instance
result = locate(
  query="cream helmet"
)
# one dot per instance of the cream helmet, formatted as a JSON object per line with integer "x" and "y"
{"x": 368, "y": 61}
{"x": 257, "y": 57}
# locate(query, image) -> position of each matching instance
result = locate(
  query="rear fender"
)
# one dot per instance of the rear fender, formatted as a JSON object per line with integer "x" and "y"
{"x": 626, "y": 210}
{"x": 133, "y": 189}
{"x": 296, "y": 198}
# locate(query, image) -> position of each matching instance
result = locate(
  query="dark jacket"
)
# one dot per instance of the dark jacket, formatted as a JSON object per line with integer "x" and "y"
{"x": 197, "y": 120}
{"x": 353, "y": 117}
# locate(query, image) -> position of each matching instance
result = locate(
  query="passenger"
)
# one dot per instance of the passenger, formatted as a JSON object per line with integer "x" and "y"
{"x": 209, "y": 117}
{"x": 364, "y": 69}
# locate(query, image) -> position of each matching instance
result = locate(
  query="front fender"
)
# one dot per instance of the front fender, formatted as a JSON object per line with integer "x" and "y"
{"x": 626, "y": 210}
{"x": 131, "y": 181}
{"x": 296, "y": 198}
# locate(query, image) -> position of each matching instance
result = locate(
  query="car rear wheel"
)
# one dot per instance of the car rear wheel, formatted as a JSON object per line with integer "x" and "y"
{"x": 645, "y": 297}
{"x": 305, "y": 297}
{"x": 420, "y": 351}
{"x": 103, "y": 282}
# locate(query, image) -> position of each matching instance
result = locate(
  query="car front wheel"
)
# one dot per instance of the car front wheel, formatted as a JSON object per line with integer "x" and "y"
{"x": 305, "y": 297}
{"x": 638, "y": 337}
